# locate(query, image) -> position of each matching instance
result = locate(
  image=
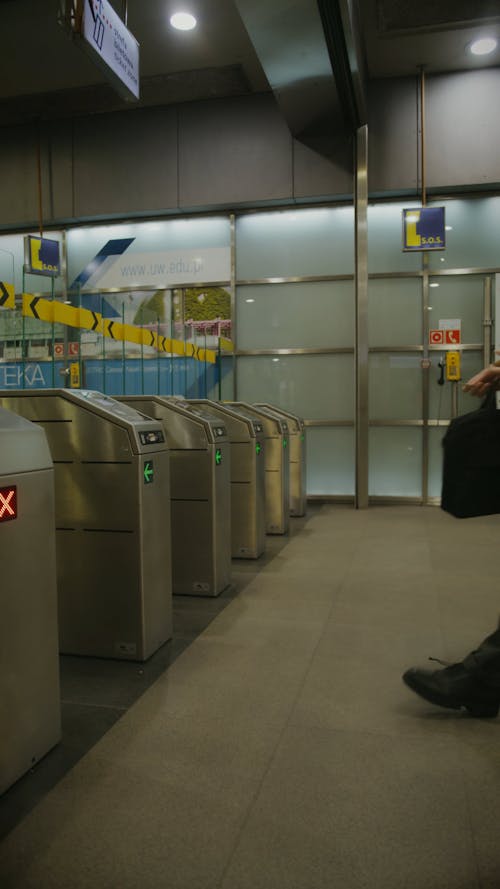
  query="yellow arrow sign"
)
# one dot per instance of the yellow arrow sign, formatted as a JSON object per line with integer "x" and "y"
{"x": 36, "y": 307}
{"x": 7, "y": 296}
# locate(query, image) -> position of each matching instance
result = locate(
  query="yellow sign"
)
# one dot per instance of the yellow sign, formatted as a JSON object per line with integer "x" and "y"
{"x": 7, "y": 296}
{"x": 74, "y": 375}
{"x": 41, "y": 256}
{"x": 36, "y": 307}
{"x": 453, "y": 366}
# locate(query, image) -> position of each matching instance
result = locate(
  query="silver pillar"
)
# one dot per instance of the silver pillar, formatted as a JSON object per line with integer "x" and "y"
{"x": 361, "y": 284}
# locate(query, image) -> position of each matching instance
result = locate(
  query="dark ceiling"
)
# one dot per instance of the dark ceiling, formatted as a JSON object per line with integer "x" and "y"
{"x": 299, "y": 49}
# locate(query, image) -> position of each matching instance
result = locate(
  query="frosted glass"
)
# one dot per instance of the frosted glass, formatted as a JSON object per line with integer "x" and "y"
{"x": 295, "y": 243}
{"x": 473, "y": 241}
{"x": 440, "y": 396}
{"x": 435, "y": 477}
{"x": 395, "y": 462}
{"x": 395, "y": 312}
{"x": 84, "y": 243}
{"x": 395, "y": 387}
{"x": 316, "y": 387}
{"x": 330, "y": 461}
{"x": 274, "y": 316}
{"x": 458, "y": 297}
{"x": 385, "y": 240}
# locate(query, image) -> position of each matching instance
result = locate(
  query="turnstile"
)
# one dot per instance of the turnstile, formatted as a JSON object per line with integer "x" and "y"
{"x": 297, "y": 456}
{"x": 200, "y": 493}
{"x": 30, "y": 717}
{"x": 112, "y": 521}
{"x": 276, "y": 465}
{"x": 246, "y": 437}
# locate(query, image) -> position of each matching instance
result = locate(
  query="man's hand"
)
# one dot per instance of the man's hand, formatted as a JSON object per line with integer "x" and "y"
{"x": 481, "y": 383}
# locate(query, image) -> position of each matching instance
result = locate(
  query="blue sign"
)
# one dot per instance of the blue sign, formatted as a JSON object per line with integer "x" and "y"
{"x": 41, "y": 256}
{"x": 423, "y": 229}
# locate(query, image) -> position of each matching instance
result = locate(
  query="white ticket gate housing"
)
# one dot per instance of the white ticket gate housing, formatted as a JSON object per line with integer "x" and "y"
{"x": 297, "y": 455}
{"x": 112, "y": 521}
{"x": 30, "y": 717}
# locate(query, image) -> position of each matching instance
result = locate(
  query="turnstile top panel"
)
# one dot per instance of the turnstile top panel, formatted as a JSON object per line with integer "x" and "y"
{"x": 185, "y": 428}
{"x": 295, "y": 423}
{"x": 23, "y": 445}
{"x": 239, "y": 427}
{"x": 273, "y": 424}
{"x": 49, "y": 405}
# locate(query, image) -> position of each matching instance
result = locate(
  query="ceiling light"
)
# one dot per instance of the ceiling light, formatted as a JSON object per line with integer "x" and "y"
{"x": 183, "y": 21}
{"x": 434, "y": 285}
{"x": 483, "y": 46}
{"x": 249, "y": 300}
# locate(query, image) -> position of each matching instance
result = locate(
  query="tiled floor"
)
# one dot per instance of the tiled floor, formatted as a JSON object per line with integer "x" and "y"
{"x": 280, "y": 749}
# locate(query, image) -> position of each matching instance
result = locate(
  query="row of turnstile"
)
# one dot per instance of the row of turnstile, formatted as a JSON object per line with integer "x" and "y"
{"x": 148, "y": 496}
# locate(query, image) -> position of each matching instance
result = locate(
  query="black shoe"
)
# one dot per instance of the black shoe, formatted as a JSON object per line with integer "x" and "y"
{"x": 456, "y": 686}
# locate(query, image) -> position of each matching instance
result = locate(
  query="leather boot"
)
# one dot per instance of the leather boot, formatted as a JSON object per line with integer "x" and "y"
{"x": 473, "y": 684}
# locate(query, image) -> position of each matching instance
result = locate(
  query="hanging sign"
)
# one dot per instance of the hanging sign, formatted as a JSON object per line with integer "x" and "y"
{"x": 41, "y": 256}
{"x": 423, "y": 229}
{"x": 111, "y": 45}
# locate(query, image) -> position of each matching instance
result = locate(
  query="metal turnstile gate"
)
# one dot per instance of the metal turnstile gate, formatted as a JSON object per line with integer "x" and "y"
{"x": 200, "y": 493}
{"x": 277, "y": 467}
{"x": 297, "y": 456}
{"x": 30, "y": 716}
{"x": 246, "y": 437}
{"x": 112, "y": 521}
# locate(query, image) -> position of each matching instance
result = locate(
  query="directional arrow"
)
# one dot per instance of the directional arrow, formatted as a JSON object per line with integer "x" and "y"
{"x": 33, "y": 303}
{"x": 96, "y": 321}
{"x": 218, "y": 457}
{"x": 148, "y": 472}
{"x": 7, "y": 295}
{"x": 152, "y": 338}
{"x": 109, "y": 325}
{"x": 258, "y": 447}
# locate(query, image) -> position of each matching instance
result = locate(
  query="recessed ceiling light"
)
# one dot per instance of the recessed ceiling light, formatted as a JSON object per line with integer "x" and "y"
{"x": 183, "y": 21}
{"x": 483, "y": 46}
{"x": 435, "y": 284}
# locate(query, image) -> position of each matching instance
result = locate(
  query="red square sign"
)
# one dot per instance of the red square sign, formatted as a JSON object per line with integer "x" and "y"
{"x": 436, "y": 337}
{"x": 452, "y": 337}
{"x": 8, "y": 503}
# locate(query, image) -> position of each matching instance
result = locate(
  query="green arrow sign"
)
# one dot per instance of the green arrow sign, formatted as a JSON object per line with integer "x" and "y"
{"x": 218, "y": 457}
{"x": 149, "y": 472}
{"x": 258, "y": 447}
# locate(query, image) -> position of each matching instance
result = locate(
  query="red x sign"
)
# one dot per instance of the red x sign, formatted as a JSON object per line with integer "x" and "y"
{"x": 8, "y": 503}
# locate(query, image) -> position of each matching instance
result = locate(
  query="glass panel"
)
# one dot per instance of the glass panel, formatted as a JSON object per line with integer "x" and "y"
{"x": 330, "y": 461}
{"x": 395, "y": 464}
{"x": 316, "y": 387}
{"x": 385, "y": 240}
{"x": 471, "y": 236}
{"x": 395, "y": 387}
{"x": 274, "y": 316}
{"x": 395, "y": 312}
{"x": 436, "y": 435}
{"x": 440, "y": 396}
{"x": 295, "y": 243}
{"x": 458, "y": 297}
{"x": 162, "y": 253}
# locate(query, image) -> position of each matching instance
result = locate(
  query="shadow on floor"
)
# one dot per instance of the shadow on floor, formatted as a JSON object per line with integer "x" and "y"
{"x": 96, "y": 692}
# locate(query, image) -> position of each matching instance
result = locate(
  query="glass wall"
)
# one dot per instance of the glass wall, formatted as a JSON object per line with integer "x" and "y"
{"x": 294, "y": 330}
{"x": 280, "y": 285}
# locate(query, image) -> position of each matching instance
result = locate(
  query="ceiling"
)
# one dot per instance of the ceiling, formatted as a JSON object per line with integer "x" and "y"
{"x": 308, "y": 52}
